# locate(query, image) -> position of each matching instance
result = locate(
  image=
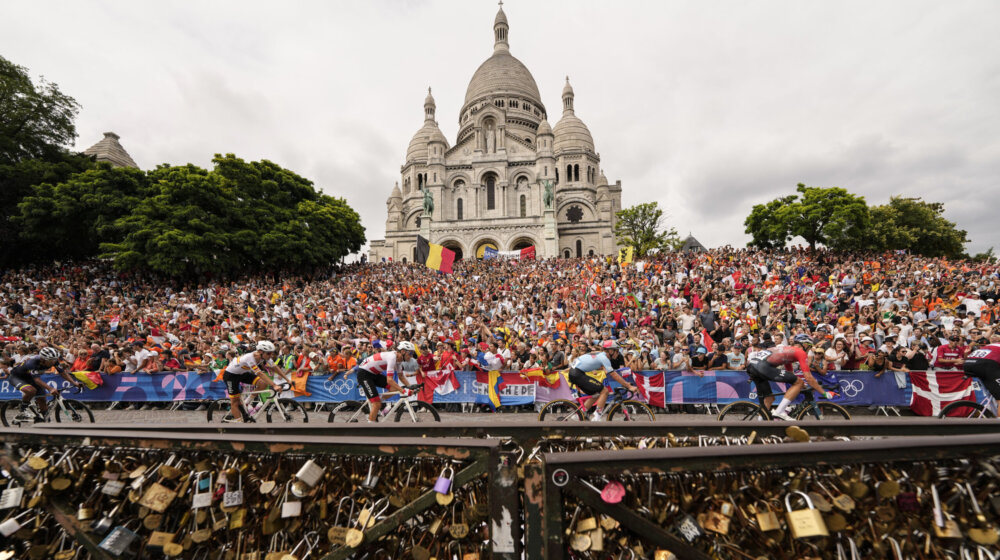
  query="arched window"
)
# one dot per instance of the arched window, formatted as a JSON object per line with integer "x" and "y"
{"x": 458, "y": 209}
{"x": 590, "y": 253}
{"x": 576, "y": 172}
{"x": 569, "y": 172}
{"x": 566, "y": 254}
{"x": 420, "y": 182}
{"x": 557, "y": 174}
{"x": 490, "y": 193}
{"x": 414, "y": 254}
{"x": 579, "y": 248}
{"x": 524, "y": 206}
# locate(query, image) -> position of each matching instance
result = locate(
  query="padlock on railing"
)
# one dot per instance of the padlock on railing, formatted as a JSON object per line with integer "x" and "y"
{"x": 804, "y": 522}
{"x": 443, "y": 483}
{"x": 118, "y": 540}
{"x": 13, "y": 524}
{"x": 310, "y": 473}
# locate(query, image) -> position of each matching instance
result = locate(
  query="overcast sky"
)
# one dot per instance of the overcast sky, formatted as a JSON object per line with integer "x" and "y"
{"x": 706, "y": 107}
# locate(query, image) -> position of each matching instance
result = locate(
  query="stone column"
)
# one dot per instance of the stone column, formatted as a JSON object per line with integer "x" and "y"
{"x": 550, "y": 234}
{"x": 425, "y": 228}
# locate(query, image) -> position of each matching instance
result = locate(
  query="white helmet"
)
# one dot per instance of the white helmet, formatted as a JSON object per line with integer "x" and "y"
{"x": 49, "y": 353}
{"x": 265, "y": 346}
{"x": 407, "y": 345}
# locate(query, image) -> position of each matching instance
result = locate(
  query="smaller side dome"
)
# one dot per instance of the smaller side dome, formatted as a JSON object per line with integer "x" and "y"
{"x": 567, "y": 89}
{"x": 544, "y": 128}
{"x": 602, "y": 180}
{"x": 396, "y": 192}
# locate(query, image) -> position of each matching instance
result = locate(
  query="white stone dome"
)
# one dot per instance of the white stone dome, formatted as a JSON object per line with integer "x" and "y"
{"x": 417, "y": 150}
{"x": 572, "y": 135}
{"x": 502, "y": 74}
{"x": 544, "y": 128}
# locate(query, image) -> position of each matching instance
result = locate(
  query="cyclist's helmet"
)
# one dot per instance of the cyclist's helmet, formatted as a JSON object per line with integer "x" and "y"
{"x": 407, "y": 345}
{"x": 49, "y": 353}
{"x": 265, "y": 346}
{"x": 803, "y": 339}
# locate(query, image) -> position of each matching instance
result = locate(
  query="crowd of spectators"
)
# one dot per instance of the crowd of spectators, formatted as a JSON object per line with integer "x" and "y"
{"x": 674, "y": 311}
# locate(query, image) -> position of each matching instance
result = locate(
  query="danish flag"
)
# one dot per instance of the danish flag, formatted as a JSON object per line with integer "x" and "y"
{"x": 651, "y": 388}
{"x": 932, "y": 391}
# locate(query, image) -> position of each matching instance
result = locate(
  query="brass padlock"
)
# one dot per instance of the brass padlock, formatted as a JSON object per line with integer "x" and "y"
{"x": 804, "y": 522}
{"x": 767, "y": 520}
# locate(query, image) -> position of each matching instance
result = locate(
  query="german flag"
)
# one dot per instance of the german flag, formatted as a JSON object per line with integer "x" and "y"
{"x": 434, "y": 256}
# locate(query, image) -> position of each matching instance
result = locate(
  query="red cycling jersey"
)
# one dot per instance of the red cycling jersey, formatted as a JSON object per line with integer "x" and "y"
{"x": 787, "y": 356}
{"x": 987, "y": 352}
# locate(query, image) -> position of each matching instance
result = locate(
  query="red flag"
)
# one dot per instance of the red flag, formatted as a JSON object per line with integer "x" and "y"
{"x": 651, "y": 388}
{"x": 706, "y": 340}
{"x": 932, "y": 391}
{"x": 528, "y": 252}
{"x": 441, "y": 382}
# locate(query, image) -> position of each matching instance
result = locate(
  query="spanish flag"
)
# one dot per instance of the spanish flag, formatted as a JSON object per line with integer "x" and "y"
{"x": 625, "y": 255}
{"x": 434, "y": 256}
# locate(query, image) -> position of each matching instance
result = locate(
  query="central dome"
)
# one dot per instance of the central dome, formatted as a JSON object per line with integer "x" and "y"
{"x": 502, "y": 73}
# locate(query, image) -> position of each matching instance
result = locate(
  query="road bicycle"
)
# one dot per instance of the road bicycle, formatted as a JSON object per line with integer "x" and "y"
{"x": 274, "y": 410}
{"x": 809, "y": 408}
{"x": 60, "y": 410}
{"x": 405, "y": 408}
{"x": 621, "y": 406}
{"x": 971, "y": 408}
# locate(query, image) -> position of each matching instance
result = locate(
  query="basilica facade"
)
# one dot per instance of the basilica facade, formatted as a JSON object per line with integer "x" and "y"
{"x": 510, "y": 181}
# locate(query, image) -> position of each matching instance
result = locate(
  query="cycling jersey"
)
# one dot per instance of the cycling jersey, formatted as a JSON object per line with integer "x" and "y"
{"x": 246, "y": 363}
{"x": 592, "y": 361}
{"x": 782, "y": 357}
{"x": 988, "y": 352}
{"x": 25, "y": 373}
{"x": 380, "y": 363}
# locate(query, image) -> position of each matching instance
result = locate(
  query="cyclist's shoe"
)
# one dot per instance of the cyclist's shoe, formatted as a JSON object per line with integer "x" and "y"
{"x": 250, "y": 420}
{"x": 781, "y": 415}
{"x": 24, "y": 416}
{"x": 597, "y": 417}
{"x": 231, "y": 420}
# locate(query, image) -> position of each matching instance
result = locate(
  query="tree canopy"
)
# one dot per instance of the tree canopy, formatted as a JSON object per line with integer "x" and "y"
{"x": 642, "y": 227}
{"x": 838, "y": 219}
{"x": 36, "y": 121}
{"x": 916, "y": 225}
{"x": 235, "y": 217}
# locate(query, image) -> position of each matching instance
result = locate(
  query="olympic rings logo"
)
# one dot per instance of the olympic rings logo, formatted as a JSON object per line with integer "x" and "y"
{"x": 340, "y": 386}
{"x": 851, "y": 388}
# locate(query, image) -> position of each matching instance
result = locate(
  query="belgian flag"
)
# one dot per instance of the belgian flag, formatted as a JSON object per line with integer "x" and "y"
{"x": 625, "y": 255}
{"x": 434, "y": 256}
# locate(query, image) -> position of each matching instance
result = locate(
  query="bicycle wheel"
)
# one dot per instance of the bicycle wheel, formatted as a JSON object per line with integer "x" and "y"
{"x": 220, "y": 411}
{"x": 631, "y": 411}
{"x": 422, "y": 412}
{"x": 73, "y": 411}
{"x": 744, "y": 410}
{"x": 9, "y": 412}
{"x": 820, "y": 410}
{"x": 348, "y": 412}
{"x": 964, "y": 409}
{"x": 561, "y": 410}
{"x": 293, "y": 411}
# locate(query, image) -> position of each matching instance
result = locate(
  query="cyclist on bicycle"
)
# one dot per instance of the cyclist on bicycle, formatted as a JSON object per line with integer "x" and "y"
{"x": 251, "y": 369}
{"x": 984, "y": 364}
{"x": 378, "y": 370}
{"x": 24, "y": 376}
{"x": 763, "y": 367}
{"x": 609, "y": 360}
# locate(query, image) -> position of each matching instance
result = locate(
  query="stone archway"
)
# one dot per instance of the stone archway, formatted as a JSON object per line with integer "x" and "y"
{"x": 454, "y": 246}
{"x": 522, "y": 243}
{"x": 483, "y": 244}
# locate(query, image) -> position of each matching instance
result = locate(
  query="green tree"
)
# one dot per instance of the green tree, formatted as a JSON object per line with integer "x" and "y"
{"x": 70, "y": 219}
{"x": 642, "y": 226}
{"x": 821, "y": 215}
{"x": 915, "y": 225}
{"x": 767, "y": 225}
{"x": 984, "y": 257}
{"x": 36, "y": 121}
{"x": 16, "y": 182}
{"x": 237, "y": 217}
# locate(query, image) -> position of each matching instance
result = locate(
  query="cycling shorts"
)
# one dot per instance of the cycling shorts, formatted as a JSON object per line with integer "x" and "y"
{"x": 234, "y": 381}
{"x": 584, "y": 382}
{"x": 19, "y": 381}
{"x": 370, "y": 382}
{"x": 762, "y": 373}
{"x": 987, "y": 371}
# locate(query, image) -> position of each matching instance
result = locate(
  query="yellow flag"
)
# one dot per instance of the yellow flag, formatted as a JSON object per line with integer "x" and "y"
{"x": 625, "y": 255}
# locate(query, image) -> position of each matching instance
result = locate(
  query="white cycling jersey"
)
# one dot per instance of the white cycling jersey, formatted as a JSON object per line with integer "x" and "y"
{"x": 382, "y": 362}
{"x": 245, "y": 364}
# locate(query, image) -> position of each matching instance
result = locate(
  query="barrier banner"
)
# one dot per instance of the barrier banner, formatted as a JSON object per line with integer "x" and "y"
{"x": 857, "y": 388}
